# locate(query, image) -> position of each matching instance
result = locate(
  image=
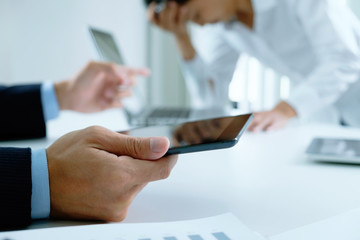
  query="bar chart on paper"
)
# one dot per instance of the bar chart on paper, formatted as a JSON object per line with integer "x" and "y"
{"x": 217, "y": 236}
{"x": 222, "y": 227}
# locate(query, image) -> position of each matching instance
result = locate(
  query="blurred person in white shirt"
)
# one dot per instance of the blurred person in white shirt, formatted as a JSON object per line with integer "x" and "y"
{"x": 316, "y": 43}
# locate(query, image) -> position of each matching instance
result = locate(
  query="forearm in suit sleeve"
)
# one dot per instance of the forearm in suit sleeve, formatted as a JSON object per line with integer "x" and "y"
{"x": 21, "y": 113}
{"x": 15, "y": 187}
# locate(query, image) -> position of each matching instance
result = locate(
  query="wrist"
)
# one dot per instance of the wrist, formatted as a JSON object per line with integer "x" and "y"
{"x": 62, "y": 94}
{"x": 185, "y": 45}
{"x": 182, "y": 35}
{"x": 286, "y": 109}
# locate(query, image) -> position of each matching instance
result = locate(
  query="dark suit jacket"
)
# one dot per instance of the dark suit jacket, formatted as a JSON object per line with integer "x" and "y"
{"x": 21, "y": 118}
{"x": 21, "y": 113}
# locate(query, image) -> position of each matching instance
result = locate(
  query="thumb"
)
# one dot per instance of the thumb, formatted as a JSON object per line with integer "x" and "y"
{"x": 123, "y": 145}
{"x": 144, "y": 148}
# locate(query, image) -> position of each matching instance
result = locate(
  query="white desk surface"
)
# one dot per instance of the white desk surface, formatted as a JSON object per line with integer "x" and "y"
{"x": 266, "y": 180}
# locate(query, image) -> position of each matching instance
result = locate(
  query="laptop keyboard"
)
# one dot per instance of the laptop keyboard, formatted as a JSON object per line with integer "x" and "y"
{"x": 163, "y": 116}
{"x": 169, "y": 116}
{"x": 170, "y": 113}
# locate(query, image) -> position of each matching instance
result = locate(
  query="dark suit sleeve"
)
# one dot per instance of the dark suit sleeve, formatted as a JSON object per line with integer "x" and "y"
{"x": 15, "y": 187}
{"x": 21, "y": 113}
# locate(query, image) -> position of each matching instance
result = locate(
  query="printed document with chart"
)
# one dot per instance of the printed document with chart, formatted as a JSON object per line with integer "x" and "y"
{"x": 223, "y": 227}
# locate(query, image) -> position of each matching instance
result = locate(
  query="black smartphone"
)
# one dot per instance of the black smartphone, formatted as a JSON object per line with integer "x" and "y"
{"x": 196, "y": 136}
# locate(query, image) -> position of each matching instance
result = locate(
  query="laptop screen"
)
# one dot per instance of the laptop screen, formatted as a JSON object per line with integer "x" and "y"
{"x": 106, "y": 46}
{"x": 108, "y": 50}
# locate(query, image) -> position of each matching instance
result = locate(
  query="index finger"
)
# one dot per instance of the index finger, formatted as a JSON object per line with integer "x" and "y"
{"x": 151, "y": 13}
{"x": 145, "y": 72}
{"x": 256, "y": 121}
{"x": 111, "y": 69}
{"x": 260, "y": 126}
{"x": 126, "y": 74}
{"x": 183, "y": 15}
{"x": 150, "y": 171}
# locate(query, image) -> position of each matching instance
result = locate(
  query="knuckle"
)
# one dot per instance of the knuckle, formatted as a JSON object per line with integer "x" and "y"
{"x": 92, "y": 64}
{"x": 94, "y": 130}
{"x": 92, "y": 133}
{"x": 134, "y": 146}
{"x": 126, "y": 178}
{"x": 120, "y": 216}
{"x": 118, "y": 212}
{"x": 112, "y": 66}
{"x": 117, "y": 216}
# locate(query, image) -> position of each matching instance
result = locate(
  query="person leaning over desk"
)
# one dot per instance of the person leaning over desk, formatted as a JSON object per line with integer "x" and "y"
{"x": 314, "y": 42}
{"x": 93, "y": 173}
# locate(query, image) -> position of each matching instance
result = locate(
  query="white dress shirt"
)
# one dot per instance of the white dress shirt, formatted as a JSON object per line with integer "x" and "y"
{"x": 348, "y": 106}
{"x": 316, "y": 43}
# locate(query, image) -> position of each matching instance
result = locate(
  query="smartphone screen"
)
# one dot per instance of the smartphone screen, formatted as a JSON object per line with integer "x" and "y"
{"x": 209, "y": 134}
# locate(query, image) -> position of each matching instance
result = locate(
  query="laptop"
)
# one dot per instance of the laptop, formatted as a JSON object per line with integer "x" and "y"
{"x": 137, "y": 112}
{"x": 337, "y": 150}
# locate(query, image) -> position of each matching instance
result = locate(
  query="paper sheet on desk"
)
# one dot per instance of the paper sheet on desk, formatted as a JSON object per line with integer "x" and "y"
{"x": 223, "y": 227}
{"x": 342, "y": 227}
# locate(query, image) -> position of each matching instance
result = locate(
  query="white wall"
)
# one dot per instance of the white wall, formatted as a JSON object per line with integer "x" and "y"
{"x": 5, "y": 40}
{"x": 42, "y": 39}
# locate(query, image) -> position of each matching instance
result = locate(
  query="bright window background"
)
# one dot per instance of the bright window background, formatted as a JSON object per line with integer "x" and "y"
{"x": 255, "y": 87}
{"x": 48, "y": 40}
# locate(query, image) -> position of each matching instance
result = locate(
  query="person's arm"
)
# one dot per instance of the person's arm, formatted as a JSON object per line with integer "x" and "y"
{"x": 93, "y": 174}
{"x": 97, "y": 87}
{"x": 207, "y": 78}
{"x": 21, "y": 113}
{"x": 15, "y": 187}
{"x": 274, "y": 119}
{"x": 25, "y": 109}
{"x": 334, "y": 34}
{"x": 24, "y": 186}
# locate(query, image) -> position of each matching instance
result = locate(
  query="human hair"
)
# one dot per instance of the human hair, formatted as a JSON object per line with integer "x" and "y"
{"x": 148, "y": 2}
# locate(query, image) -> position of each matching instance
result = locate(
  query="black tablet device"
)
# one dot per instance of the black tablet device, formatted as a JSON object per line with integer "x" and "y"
{"x": 203, "y": 135}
